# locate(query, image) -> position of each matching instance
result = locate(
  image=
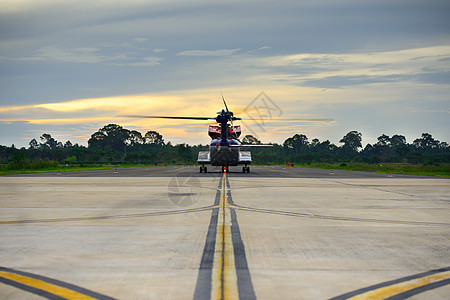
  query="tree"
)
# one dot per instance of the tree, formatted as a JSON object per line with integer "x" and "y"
{"x": 47, "y": 142}
{"x": 153, "y": 137}
{"x": 426, "y": 142}
{"x": 352, "y": 142}
{"x": 399, "y": 146}
{"x": 402, "y": 151}
{"x": 184, "y": 152}
{"x": 382, "y": 149}
{"x": 315, "y": 142}
{"x": 110, "y": 136}
{"x": 398, "y": 141}
{"x": 97, "y": 140}
{"x": 135, "y": 138}
{"x": 250, "y": 140}
{"x": 384, "y": 140}
{"x": 326, "y": 147}
{"x": 33, "y": 144}
{"x": 296, "y": 144}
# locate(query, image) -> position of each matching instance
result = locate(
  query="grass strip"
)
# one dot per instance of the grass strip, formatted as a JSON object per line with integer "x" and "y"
{"x": 441, "y": 170}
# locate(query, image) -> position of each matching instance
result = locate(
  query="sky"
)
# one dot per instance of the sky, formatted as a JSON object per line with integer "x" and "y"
{"x": 68, "y": 68}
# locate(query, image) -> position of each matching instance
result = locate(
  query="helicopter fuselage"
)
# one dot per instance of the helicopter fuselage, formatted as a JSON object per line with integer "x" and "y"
{"x": 224, "y": 155}
{"x": 224, "y": 152}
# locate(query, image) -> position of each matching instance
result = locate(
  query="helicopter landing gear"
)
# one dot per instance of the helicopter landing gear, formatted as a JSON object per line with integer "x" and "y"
{"x": 245, "y": 169}
{"x": 203, "y": 169}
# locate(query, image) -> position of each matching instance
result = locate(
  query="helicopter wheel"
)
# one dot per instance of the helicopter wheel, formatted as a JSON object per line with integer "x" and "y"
{"x": 201, "y": 169}
{"x": 205, "y": 169}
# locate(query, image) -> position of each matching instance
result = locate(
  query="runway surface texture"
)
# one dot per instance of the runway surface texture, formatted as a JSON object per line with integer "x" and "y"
{"x": 173, "y": 233}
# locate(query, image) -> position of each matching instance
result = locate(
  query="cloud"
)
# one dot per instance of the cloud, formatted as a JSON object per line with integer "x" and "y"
{"x": 76, "y": 55}
{"x": 140, "y": 40}
{"x": 144, "y": 62}
{"x": 259, "y": 49}
{"x": 89, "y": 55}
{"x": 330, "y": 70}
{"x": 222, "y": 52}
{"x": 66, "y": 55}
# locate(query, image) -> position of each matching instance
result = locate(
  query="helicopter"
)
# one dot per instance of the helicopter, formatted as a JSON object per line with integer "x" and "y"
{"x": 225, "y": 147}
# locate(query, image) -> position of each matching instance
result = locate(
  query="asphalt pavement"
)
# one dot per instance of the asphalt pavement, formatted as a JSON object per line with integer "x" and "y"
{"x": 173, "y": 233}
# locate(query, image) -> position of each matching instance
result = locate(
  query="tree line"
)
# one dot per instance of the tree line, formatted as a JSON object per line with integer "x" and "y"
{"x": 113, "y": 144}
{"x": 395, "y": 149}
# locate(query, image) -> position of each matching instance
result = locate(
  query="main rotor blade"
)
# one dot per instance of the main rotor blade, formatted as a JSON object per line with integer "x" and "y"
{"x": 166, "y": 117}
{"x": 264, "y": 119}
{"x": 224, "y": 102}
{"x": 254, "y": 146}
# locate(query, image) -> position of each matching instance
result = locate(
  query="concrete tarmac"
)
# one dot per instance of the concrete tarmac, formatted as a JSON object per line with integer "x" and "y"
{"x": 172, "y": 233}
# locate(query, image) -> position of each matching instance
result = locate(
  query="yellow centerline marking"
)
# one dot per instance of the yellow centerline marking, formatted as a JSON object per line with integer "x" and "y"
{"x": 224, "y": 277}
{"x": 45, "y": 286}
{"x": 398, "y": 288}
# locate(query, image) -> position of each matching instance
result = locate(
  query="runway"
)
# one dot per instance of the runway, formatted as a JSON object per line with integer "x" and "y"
{"x": 193, "y": 171}
{"x": 173, "y": 233}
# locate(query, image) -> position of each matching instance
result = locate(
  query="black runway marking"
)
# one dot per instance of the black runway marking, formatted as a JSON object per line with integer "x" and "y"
{"x": 245, "y": 285}
{"x": 46, "y": 294}
{"x": 419, "y": 290}
{"x": 335, "y": 218}
{"x": 244, "y": 281}
{"x": 141, "y": 215}
{"x": 30, "y": 289}
{"x": 203, "y": 286}
{"x": 404, "y": 279}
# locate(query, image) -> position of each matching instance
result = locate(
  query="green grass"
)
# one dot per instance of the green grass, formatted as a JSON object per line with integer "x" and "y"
{"x": 442, "y": 170}
{"x": 72, "y": 168}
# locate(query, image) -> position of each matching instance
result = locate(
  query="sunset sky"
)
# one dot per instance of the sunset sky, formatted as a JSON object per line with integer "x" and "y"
{"x": 68, "y": 68}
